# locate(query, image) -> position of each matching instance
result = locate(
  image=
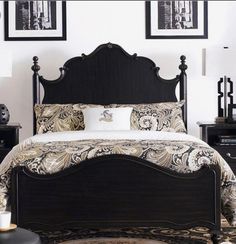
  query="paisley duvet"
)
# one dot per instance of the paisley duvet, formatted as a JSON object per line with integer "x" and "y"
{"x": 52, "y": 152}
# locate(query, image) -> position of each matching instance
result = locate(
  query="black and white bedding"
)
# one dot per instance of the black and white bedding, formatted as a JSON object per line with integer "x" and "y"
{"x": 51, "y": 152}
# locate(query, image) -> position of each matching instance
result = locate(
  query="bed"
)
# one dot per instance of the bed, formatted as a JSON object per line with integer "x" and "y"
{"x": 116, "y": 190}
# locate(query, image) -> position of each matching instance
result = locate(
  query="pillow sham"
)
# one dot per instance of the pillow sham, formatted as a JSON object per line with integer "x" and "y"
{"x": 60, "y": 117}
{"x": 107, "y": 119}
{"x": 166, "y": 116}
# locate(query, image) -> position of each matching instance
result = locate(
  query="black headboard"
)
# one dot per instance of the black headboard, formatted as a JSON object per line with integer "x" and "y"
{"x": 109, "y": 75}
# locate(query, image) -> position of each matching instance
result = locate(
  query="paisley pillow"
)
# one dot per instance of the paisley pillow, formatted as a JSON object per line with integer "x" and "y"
{"x": 166, "y": 116}
{"x": 60, "y": 117}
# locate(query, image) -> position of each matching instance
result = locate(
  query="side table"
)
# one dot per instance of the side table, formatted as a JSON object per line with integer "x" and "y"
{"x": 19, "y": 236}
{"x": 221, "y": 137}
{"x": 9, "y": 137}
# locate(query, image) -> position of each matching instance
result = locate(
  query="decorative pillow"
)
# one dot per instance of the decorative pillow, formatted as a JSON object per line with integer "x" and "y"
{"x": 166, "y": 116}
{"x": 107, "y": 119}
{"x": 60, "y": 117}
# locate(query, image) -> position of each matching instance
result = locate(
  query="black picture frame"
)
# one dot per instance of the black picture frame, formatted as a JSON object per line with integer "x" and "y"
{"x": 158, "y": 26}
{"x": 231, "y": 113}
{"x": 50, "y": 28}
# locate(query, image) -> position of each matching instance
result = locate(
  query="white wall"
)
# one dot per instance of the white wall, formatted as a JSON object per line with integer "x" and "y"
{"x": 90, "y": 23}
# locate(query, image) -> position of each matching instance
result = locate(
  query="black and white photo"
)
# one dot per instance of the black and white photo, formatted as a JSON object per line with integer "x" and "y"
{"x": 176, "y": 19}
{"x": 36, "y": 15}
{"x": 35, "y": 20}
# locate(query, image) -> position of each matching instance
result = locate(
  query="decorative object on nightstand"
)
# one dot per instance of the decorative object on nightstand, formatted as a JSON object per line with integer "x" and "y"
{"x": 220, "y": 64}
{"x": 4, "y": 114}
{"x": 231, "y": 113}
{"x": 5, "y": 71}
{"x": 9, "y": 137}
{"x": 221, "y": 137}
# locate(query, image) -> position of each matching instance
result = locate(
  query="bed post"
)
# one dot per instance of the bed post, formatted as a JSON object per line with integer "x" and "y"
{"x": 183, "y": 87}
{"x": 36, "y": 88}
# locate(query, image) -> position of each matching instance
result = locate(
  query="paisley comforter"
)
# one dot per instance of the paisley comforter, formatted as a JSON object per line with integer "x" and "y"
{"x": 50, "y": 153}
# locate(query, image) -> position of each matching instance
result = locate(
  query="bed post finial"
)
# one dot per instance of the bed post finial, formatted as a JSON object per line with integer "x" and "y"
{"x": 36, "y": 88}
{"x": 183, "y": 66}
{"x": 183, "y": 87}
{"x": 35, "y": 67}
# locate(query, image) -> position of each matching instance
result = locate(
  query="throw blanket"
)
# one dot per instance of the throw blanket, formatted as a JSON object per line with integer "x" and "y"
{"x": 47, "y": 154}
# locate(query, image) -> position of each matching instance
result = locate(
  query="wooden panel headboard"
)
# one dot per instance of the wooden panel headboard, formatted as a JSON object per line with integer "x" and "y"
{"x": 109, "y": 75}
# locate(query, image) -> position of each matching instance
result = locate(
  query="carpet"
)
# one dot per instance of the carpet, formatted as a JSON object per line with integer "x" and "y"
{"x": 113, "y": 241}
{"x": 137, "y": 236}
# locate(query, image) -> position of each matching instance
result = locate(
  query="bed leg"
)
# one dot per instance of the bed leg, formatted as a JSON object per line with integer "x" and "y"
{"x": 215, "y": 237}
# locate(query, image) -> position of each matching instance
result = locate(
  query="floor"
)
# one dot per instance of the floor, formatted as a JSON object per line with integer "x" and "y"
{"x": 138, "y": 236}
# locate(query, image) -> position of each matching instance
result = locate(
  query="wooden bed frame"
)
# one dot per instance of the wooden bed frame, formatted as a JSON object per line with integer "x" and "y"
{"x": 114, "y": 190}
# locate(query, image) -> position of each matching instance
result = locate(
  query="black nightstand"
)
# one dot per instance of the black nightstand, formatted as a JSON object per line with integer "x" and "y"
{"x": 9, "y": 137}
{"x": 221, "y": 137}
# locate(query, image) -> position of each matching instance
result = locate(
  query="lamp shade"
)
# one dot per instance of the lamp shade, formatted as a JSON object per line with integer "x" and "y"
{"x": 5, "y": 64}
{"x": 220, "y": 61}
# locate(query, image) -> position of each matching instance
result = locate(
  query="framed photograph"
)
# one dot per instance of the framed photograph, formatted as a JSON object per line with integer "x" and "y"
{"x": 176, "y": 19}
{"x": 231, "y": 113}
{"x": 35, "y": 20}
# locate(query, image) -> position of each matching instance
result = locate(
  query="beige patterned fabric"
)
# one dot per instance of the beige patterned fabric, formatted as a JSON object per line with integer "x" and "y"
{"x": 156, "y": 116}
{"x": 179, "y": 156}
{"x": 60, "y": 117}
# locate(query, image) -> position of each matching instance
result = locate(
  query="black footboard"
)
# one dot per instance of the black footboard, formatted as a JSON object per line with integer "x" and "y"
{"x": 116, "y": 190}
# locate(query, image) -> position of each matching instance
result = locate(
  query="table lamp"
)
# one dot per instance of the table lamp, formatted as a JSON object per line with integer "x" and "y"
{"x": 220, "y": 65}
{"x": 5, "y": 71}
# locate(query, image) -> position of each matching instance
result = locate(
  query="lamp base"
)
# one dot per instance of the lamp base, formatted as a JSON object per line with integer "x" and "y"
{"x": 219, "y": 120}
{"x": 4, "y": 114}
{"x": 225, "y": 97}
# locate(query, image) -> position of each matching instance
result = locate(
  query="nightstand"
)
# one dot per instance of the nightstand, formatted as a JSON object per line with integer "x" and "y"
{"x": 9, "y": 137}
{"x": 222, "y": 137}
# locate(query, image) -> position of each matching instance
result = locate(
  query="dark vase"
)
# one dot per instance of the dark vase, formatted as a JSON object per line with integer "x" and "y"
{"x": 4, "y": 114}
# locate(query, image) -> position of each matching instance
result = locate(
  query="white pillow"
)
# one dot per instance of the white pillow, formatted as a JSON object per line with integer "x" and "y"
{"x": 107, "y": 118}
